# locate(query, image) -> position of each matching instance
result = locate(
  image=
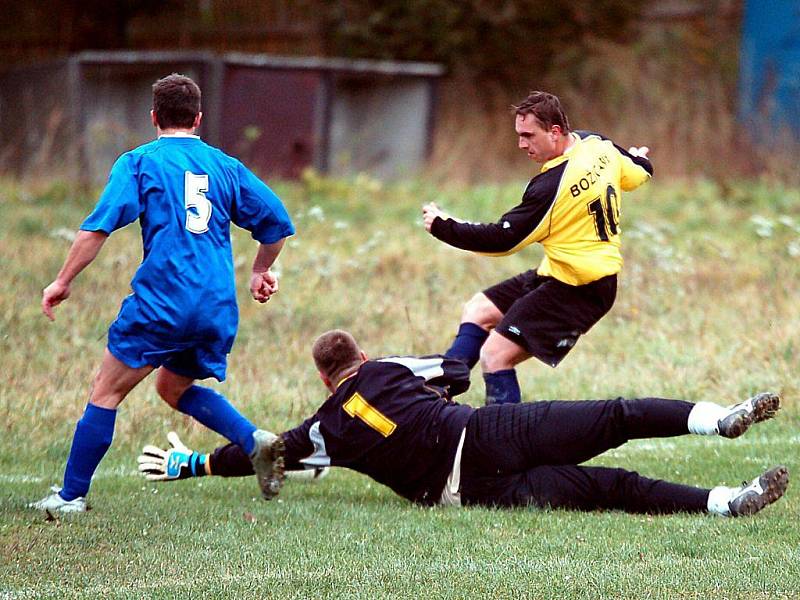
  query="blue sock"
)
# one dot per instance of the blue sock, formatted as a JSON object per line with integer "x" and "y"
{"x": 93, "y": 435}
{"x": 215, "y": 412}
{"x": 467, "y": 345}
{"x": 502, "y": 387}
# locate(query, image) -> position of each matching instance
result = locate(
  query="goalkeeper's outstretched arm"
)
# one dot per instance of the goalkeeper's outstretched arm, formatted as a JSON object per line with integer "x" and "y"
{"x": 180, "y": 462}
{"x": 176, "y": 462}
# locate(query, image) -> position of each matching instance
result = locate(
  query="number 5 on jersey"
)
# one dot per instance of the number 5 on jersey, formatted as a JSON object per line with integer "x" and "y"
{"x": 198, "y": 207}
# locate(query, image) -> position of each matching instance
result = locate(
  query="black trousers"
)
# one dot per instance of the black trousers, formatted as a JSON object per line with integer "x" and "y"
{"x": 521, "y": 454}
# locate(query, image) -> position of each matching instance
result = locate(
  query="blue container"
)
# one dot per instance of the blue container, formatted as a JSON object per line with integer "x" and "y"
{"x": 769, "y": 84}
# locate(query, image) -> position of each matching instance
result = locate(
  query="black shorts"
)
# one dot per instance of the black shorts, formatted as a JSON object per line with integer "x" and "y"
{"x": 546, "y": 316}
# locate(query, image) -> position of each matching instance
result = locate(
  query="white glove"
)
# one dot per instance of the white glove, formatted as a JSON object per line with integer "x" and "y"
{"x": 639, "y": 151}
{"x": 178, "y": 462}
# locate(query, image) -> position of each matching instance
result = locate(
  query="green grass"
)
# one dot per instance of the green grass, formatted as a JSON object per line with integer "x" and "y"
{"x": 707, "y": 310}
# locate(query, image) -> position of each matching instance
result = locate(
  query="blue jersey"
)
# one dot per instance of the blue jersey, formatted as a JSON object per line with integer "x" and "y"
{"x": 185, "y": 194}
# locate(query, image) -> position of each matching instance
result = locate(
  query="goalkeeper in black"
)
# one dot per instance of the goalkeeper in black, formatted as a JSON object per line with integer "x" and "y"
{"x": 394, "y": 420}
{"x": 572, "y": 207}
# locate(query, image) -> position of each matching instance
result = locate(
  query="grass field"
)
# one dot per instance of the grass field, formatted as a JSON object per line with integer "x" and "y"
{"x": 707, "y": 310}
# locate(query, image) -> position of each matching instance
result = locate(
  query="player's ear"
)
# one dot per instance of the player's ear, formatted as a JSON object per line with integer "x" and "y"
{"x": 197, "y": 120}
{"x": 153, "y": 117}
{"x": 326, "y": 381}
{"x": 363, "y": 356}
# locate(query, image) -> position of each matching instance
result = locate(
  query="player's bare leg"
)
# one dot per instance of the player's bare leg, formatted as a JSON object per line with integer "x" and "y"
{"x": 93, "y": 434}
{"x": 481, "y": 311}
{"x": 171, "y": 386}
{"x": 114, "y": 381}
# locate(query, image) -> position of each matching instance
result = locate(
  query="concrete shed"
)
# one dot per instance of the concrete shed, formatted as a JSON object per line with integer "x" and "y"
{"x": 74, "y": 116}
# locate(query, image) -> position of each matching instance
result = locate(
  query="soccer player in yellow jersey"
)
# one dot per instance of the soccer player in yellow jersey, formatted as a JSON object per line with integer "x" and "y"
{"x": 572, "y": 207}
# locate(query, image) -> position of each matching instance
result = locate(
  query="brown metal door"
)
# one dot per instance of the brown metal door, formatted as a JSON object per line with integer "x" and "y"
{"x": 269, "y": 118}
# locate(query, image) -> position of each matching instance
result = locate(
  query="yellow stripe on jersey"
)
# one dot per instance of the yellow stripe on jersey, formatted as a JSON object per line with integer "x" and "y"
{"x": 359, "y": 408}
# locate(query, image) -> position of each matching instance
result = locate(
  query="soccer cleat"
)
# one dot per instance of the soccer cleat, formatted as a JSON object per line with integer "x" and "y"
{"x": 55, "y": 503}
{"x": 740, "y": 416}
{"x": 268, "y": 462}
{"x": 762, "y": 491}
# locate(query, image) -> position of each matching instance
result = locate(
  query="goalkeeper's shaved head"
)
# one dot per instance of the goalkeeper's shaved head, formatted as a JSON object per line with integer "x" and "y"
{"x": 335, "y": 353}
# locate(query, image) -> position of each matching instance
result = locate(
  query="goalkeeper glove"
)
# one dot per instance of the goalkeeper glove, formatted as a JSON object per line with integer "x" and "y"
{"x": 177, "y": 462}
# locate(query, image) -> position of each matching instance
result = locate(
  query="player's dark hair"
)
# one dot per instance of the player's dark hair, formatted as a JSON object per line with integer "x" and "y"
{"x": 176, "y": 101}
{"x": 546, "y": 108}
{"x": 336, "y": 352}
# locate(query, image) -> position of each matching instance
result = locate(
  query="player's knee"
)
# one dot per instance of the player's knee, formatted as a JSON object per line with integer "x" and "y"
{"x": 491, "y": 361}
{"x": 499, "y": 354}
{"x": 480, "y": 310}
{"x": 103, "y": 395}
{"x": 168, "y": 392}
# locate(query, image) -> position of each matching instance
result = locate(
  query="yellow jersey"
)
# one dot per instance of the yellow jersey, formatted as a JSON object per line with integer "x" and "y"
{"x": 572, "y": 207}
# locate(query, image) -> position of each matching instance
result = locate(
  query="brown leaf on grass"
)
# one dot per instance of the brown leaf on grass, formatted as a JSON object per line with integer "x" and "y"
{"x": 49, "y": 517}
{"x": 249, "y": 517}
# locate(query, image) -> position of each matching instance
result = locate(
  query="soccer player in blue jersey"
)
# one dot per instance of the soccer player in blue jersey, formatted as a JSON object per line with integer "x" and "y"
{"x": 182, "y": 316}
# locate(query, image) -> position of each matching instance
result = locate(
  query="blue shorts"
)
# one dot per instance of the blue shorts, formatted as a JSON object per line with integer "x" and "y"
{"x": 130, "y": 342}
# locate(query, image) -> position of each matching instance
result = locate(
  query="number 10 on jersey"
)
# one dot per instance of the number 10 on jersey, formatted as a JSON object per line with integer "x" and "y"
{"x": 606, "y": 214}
{"x": 198, "y": 207}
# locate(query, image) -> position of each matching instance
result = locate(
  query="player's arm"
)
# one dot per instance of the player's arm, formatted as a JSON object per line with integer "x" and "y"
{"x": 83, "y": 251}
{"x": 524, "y": 224}
{"x": 259, "y": 210}
{"x": 448, "y": 374}
{"x": 117, "y": 207}
{"x": 263, "y": 282}
{"x": 231, "y": 461}
{"x": 180, "y": 462}
{"x": 635, "y": 166}
{"x": 454, "y": 377}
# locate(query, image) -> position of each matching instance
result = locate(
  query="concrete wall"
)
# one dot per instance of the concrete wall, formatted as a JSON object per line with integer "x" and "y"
{"x": 379, "y": 127}
{"x": 279, "y": 115}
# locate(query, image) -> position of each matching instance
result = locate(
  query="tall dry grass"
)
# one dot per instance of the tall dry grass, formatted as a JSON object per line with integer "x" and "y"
{"x": 674, "y": 88}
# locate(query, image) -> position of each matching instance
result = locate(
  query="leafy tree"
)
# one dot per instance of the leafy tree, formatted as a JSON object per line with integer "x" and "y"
{"x": 494, "y": 40}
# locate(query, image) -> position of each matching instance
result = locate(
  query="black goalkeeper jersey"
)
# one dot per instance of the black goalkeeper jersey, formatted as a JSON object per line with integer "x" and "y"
{"x": 392, "y": 420}
{"x": 572, "y": 207}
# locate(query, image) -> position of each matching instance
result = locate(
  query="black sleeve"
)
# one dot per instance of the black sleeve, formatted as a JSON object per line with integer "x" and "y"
{"x": 449, "y": 375}
{"x": 639, "y": 160}
{"x": 526, "y": 222}
{"x": 454, "y": 380}
{"x": 232, "y": 461}
{"x": 298, "y": 444}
